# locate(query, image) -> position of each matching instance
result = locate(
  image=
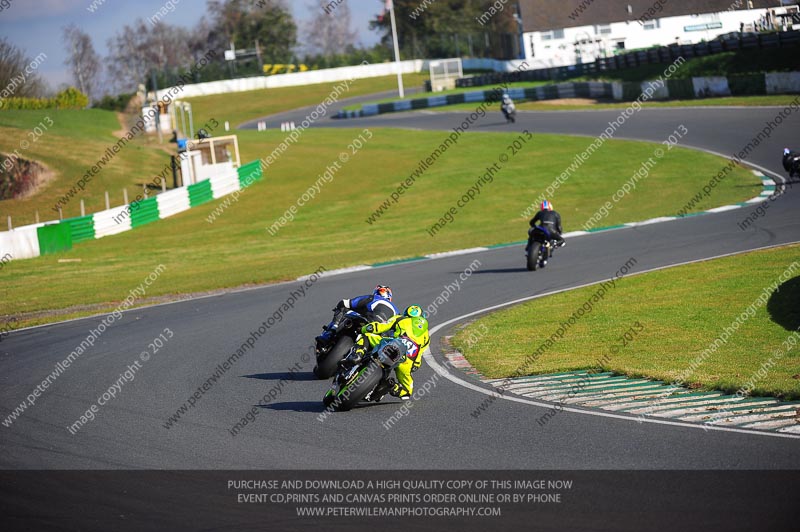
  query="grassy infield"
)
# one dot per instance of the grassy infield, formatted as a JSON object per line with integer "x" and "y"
{"x": 236, "y": 249}
{"x": 685, "y": 310}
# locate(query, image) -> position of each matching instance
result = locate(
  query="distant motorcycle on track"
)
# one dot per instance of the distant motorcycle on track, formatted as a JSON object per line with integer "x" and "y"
{"x": 791, "y": 163}
{"x": 509, "y": 109}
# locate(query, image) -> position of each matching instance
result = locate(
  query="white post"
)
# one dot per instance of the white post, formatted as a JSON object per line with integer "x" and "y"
{"x": 396, "y": 50}
{"x": 83, "y": 209}
{"x": 60, "y": 214}
{"x": 108, "y": 205}
{"x": 125, "y": 196}
{"x": 163, "y": 184}
{"x": 9, "y": 224}
{"x": 191, "y": 119}
{"x": 37, "y": 216}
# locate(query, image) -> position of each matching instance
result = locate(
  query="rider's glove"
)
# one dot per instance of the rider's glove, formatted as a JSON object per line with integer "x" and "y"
{"x": 368, "y": 328}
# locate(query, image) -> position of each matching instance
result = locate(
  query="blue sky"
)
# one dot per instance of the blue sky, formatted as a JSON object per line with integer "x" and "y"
{"x": 35, "y": 25}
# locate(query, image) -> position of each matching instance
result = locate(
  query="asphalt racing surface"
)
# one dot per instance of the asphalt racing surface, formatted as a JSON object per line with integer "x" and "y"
{"x": 130, "y": 431}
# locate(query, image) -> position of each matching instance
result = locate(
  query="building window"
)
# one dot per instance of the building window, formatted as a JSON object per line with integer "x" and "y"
{"x": 552, "y": 35}
{"x": 652, "y": 24}
{"x": 604, "y": 29}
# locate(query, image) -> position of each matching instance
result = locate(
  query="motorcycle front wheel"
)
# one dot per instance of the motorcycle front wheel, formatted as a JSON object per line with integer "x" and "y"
{"x": 365, "y": 381}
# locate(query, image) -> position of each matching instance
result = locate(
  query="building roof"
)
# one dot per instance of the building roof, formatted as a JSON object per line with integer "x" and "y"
{"x": 543, "y": 15}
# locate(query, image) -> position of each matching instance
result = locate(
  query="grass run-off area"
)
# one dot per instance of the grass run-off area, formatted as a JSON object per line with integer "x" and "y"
{"x": 240, "y": 107}
{"x": 74, "y": 142}
{"x": 331, "y": 230}
{"x": 686, "y": 309}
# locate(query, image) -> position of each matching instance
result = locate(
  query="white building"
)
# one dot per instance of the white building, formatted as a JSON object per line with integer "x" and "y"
{"x": 599, "y": 36}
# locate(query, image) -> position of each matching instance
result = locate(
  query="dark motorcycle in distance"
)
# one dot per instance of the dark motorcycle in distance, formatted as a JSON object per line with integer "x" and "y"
{"x": 344, "y": 330}
{"x": 540, "y": 248}
{"x": 791, "y": 163}
{"x": 368, "y": 378}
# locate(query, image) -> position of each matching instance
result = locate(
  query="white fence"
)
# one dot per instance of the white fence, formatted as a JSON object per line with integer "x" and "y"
{"x": 295, "y": 79}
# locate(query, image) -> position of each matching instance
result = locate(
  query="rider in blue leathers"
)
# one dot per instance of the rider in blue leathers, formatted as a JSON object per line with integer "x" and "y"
{"x": 377, "y": 306}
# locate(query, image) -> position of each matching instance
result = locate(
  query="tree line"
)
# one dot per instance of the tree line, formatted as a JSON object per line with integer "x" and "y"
{"x": 148, "y": 51}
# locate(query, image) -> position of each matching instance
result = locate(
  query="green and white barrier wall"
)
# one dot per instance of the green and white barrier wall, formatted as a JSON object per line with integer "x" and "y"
{"x": 52, "y": 237}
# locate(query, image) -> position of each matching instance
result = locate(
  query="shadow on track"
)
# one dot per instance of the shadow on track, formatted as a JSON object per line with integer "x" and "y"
{"x": 282, "y": 375}
{"x": 297, "y": 406}
{"x": 501, "y": 270}
{"x": 317, "y": 406}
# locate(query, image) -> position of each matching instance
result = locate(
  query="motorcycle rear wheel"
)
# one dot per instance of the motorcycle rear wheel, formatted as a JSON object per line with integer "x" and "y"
{"x": 326, "y": 368}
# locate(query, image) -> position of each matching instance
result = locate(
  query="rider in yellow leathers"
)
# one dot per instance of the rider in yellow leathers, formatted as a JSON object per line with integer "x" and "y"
{"x": 411, "y": 325}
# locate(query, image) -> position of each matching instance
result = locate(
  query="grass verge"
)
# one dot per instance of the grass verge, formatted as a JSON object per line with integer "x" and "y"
{"x": 74, "y": 142}
{"x": 687, "y": 309}
{"x": 242, "y": 106}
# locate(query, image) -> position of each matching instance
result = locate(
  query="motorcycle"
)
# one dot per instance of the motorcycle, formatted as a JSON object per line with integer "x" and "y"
{"x": 791, "y": 163}
{"x": 540, "y": 248}
{"x": 368, "y": 378}
{"x": 510, "y": 112}
{"x": 346, "y": 327}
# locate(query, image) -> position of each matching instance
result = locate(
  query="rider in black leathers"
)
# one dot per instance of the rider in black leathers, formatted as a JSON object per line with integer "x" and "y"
{"x": 550, "y": 220}
{"x": 791, "y": 163}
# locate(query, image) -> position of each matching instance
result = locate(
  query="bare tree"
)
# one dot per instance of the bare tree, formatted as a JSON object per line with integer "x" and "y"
{"x": 137, "y": 50}
{"x": 17, "y": 73}
{"x": 329, "y": 31}
{"x": 83, "y": 61}
{"x": 127, "y": 65}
